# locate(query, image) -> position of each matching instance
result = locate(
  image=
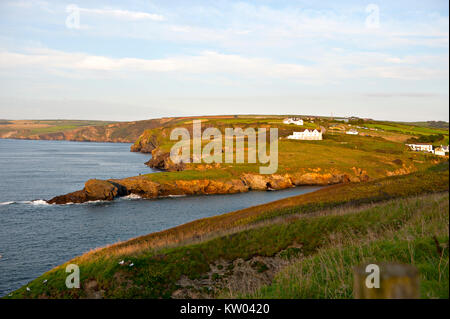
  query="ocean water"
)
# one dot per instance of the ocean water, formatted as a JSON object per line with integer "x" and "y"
{"x": 35, "y": 237}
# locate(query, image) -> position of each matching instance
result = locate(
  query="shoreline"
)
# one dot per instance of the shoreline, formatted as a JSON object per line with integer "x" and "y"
{"x": 59, "y": 140}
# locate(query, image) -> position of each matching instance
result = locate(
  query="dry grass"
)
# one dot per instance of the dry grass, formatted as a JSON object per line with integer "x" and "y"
{"x": 333, "y": 264}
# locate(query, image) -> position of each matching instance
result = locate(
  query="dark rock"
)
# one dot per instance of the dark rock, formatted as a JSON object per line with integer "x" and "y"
{"x": 103, "y": 190}
{"x": 145, "y": 144}
{"x": 75, "y": 197}
{"x": 94, "y": 189}
{"x": 161, "y": 160}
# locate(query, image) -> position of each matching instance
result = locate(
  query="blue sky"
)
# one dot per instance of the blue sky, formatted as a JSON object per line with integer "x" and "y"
{"x": 144, "y": 59}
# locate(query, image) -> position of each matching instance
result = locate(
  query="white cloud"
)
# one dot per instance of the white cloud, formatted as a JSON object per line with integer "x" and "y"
{"x": 333, "y": 66}
{"x": 124, "y": 14}
{"x": 28, "y": 3}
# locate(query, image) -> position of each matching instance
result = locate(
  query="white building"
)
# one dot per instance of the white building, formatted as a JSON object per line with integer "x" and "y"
{"x": 441, "y": 151}
{"x": 421, "y": 147}
{"x": 294, "y": 120}
{"x": 352, "y": 132}
{"x": 306, "y": 135}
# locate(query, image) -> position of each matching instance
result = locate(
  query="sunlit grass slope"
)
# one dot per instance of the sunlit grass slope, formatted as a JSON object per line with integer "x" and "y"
{"x": 382, "y": 219}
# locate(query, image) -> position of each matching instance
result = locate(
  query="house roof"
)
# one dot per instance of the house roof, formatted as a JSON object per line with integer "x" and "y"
{"x": 309, "y": 130}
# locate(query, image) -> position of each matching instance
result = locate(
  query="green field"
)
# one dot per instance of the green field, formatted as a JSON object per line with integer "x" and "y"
{"x": 415, "y": 130}
{"x": 25, "y": 129}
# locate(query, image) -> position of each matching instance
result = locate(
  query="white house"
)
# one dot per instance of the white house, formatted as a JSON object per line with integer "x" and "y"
{"x": 441, "y": 151}
{"x": 294, "y": 120}
{"x": 421, "y": 147}
{"x": 306, "y": 135}
{"x": 352, "y": 132}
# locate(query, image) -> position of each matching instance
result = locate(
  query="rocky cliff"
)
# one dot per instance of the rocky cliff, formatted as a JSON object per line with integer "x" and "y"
{"x": 145, "y": 144}
{"x": 161, "y": 160}
{"x": 123, "y": 132}
{"x": 145, "y": 188}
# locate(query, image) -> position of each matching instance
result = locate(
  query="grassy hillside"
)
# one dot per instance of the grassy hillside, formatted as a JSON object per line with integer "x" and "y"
{"x": 377, "y": 153}
{"x": 389, "y": 219}
{"x": 27, "y": 128}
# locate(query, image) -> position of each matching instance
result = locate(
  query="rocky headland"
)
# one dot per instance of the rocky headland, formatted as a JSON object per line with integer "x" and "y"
{"x": 95, "y": 190}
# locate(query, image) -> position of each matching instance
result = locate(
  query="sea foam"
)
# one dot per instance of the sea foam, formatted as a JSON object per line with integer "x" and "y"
{"x": 6, "y": 203}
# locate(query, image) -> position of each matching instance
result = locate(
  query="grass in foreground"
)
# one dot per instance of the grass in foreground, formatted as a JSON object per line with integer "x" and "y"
{"x": 161, "y": 259}
{"x": 328, "y": 273}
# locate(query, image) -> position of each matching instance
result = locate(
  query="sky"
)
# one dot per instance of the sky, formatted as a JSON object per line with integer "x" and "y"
{"x": 136, "y": 59}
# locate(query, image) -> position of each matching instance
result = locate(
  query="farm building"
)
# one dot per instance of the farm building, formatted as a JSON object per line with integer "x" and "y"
{"x": 441, "y": 151}
{"x": 423, "y": 147}
{"x": 306, "y": 135}
{"x": 352, "y": 132}
{"x": 293, "y": 120}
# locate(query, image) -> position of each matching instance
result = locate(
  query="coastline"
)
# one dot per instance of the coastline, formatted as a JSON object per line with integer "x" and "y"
{"x": 62, "y": 140}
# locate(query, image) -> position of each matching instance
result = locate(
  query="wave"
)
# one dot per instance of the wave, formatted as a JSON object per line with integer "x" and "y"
{"x": 95, "y": 202}
{"x": 131, "y": 197}
{"x": 85, "y": 203}
{"x": 6, "y": 203}
{"x": 171, "y": 196}
{"x": 37, "y": 202}
{"x": 41, "y": 202}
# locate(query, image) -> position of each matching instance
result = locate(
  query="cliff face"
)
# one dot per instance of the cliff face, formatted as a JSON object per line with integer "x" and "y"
{"x": 161, "y": 160}
{"x": 151, "y": 139}
{"x": 145, "y": 144}
{"x": 110, "y": 189}
{"x": 124, "y": 132}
